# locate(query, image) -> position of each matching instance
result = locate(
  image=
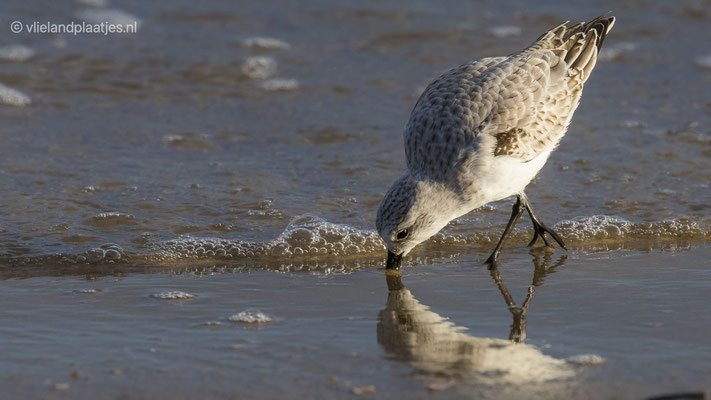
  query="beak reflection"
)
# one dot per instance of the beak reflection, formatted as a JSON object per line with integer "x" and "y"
{"x": 394, "y": 260}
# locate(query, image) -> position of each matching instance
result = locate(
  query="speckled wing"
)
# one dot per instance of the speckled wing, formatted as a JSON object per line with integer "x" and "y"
{"x": 525, "y": 100}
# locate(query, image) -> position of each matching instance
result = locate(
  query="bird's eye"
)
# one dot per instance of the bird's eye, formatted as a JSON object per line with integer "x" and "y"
{"x": 402, "y": 234}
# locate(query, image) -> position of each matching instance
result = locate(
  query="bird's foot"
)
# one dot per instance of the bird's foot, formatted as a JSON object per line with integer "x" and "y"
{"x": 492, "y": 262}
{"x": 540, "y": 230}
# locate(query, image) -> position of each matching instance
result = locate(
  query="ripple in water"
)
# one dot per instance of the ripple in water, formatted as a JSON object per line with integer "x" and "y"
{"x": 266, "y": 43}
{"x": 279, "y": 84}
{"x": 311, "y": 244}
{"x": 93, "y": 3}
{"x": 87, "y": 291}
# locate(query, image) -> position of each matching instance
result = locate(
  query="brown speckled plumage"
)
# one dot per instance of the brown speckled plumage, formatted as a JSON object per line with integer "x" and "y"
{"x": 535, "y": 92}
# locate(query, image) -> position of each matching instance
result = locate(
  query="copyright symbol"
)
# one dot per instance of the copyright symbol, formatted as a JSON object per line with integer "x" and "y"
{"x": 16, "y": 27}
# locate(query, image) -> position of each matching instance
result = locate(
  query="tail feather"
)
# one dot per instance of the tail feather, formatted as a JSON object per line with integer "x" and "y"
{"x": 588, "y": 50}
{"x": 602, "y": 25}
{"x": 582, "y": 42}
{"x": 564, "y": 39}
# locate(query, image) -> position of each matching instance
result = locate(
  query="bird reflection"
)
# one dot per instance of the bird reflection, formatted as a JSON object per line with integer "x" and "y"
{"x": 412, "y": 333}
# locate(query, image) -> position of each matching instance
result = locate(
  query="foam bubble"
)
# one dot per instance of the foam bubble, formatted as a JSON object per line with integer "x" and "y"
{"x": 633, "y": 124}
{"x": 87, "y": 291}
{"x": 106, "y": 15}
{"x": 616, "y": 51}
{"x": 172, "y": 295}
{"x": 189, "y": 141}
{"x": 13, "y": 97}
{"x": 16, "y": 52}
{"x": 60, "y": 386}
{"x": 265, "y": 43}
{"x": 111, "y": 218}
{"x": 586, "y": 360}
{"x": 504, "y": 31}
{"x": 251, "y": 317}
{"x": 108, "y": 252}
{"x": 259, "y": 67}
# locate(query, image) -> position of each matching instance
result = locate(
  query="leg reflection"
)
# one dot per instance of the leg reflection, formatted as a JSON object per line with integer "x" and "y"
{"x": 541, "y": 269}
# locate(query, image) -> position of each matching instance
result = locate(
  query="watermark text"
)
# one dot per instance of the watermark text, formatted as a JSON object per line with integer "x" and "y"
{"x": 75, "y": 28}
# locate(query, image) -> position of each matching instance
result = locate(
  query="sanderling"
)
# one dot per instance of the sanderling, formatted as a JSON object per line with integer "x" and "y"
{"x": 482, "y": 131}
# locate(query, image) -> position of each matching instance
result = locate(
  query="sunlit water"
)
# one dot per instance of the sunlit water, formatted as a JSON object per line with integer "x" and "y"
{"x": 248, "y": 136}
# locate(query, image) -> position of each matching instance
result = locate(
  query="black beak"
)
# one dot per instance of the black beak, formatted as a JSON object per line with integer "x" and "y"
{"x": 394, "y": 260}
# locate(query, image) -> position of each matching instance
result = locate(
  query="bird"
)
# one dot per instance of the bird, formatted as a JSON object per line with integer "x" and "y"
{"x": 482, "y": 131}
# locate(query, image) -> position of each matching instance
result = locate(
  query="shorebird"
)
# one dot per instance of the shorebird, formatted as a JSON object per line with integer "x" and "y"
{"x": 481, "y": 132}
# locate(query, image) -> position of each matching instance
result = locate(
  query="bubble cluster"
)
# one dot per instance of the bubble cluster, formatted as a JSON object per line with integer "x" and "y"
{"x": 107, "y": 252}
{"x": 598, "y": 227}
{"x": 306, "y": 236}
{"x": 259, "y": 67}
{"x": 109, "y": 219}
{"x": 16, "y": 52}
{"x": 593, "y": 227}
{"x": 251, "y": 317}
{"x": 172, "y": 295}
{"x": 586, "y": 360}
{"x": 13, "y": 97}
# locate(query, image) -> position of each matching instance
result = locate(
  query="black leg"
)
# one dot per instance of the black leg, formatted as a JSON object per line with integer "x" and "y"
{"x": 540, "y": 229}
{"x": 515, "y": 215}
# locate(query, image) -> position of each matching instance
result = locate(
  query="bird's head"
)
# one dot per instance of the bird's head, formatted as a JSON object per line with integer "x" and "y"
{"x": 412, "y": 211}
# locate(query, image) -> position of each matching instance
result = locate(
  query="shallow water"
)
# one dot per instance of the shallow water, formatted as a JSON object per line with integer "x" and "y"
{"x": 609, "y": 325}
{"x": 248, "y": 138}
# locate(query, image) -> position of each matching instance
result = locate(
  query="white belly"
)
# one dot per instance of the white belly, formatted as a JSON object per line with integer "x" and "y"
{"x": 496, "y": 178}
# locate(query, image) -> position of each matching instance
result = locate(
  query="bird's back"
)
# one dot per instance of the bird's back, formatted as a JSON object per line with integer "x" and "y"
{"x": 523, "y": 102}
